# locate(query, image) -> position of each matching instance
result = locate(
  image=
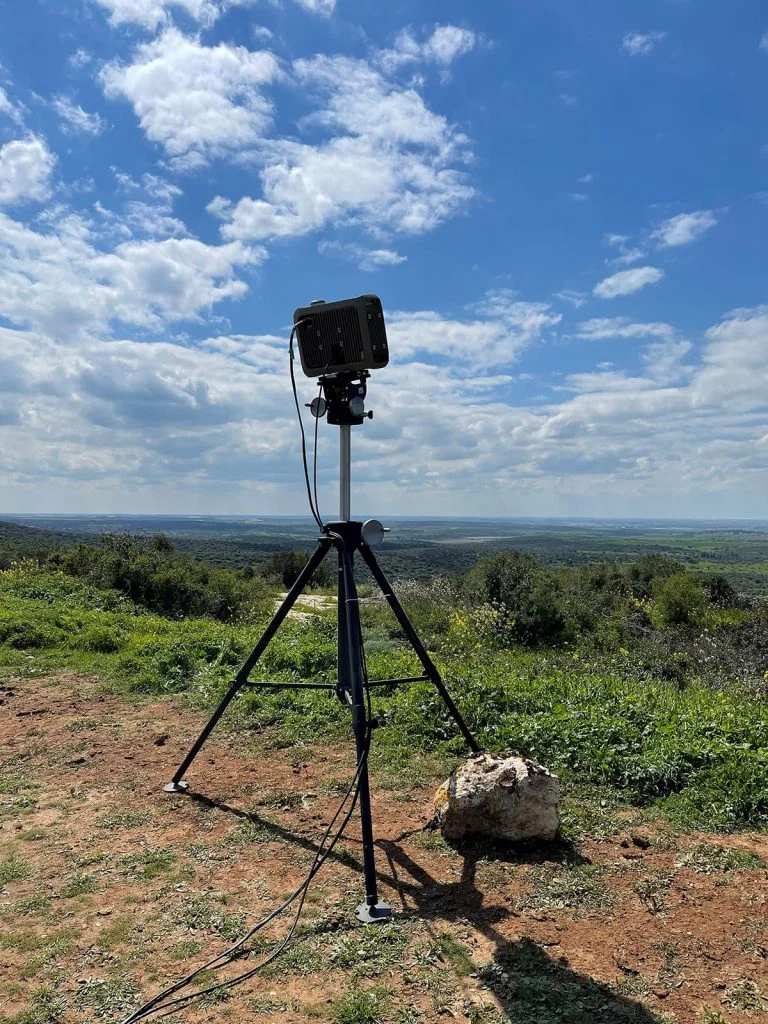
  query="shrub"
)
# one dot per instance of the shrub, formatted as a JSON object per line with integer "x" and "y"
{"x": 526, "y": 596}
{"x": 285, "y": 566}
{"x": 679, "y": 599}
{"x": 146, "y": 570}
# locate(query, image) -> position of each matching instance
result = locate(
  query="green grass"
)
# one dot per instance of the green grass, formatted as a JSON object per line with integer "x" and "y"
{"x": 360, "y": 1007}
{"x": 653, "y": 891}
{"x": 696, "y": 752}
{"x": 13, "y": 870}
{"x": 369, "y": 951}
{"x": 207, "y": 914}
{"x": 711, "y": 857}
{"x": 46, "y": 1007}
{"x": 455, "y": 953}
{"x": 107, "y": 998}
{"x": 80, "y": 885}
{"x": 123, "y": 819}
{"x": 148, "y": 864}
{"x": 578, "y": 887}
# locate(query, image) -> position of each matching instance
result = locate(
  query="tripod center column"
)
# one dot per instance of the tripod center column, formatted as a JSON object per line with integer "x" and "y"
{"x": 345, "y": 469}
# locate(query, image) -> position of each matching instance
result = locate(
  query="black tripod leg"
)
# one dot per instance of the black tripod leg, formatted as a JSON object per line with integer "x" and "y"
{"x": 178, "y": 783}
{"x": 351, "y": 651}
{"x": 429, "y": 666}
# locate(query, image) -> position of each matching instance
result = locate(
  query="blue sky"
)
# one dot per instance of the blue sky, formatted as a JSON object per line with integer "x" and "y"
{"x": 563, "y": 207}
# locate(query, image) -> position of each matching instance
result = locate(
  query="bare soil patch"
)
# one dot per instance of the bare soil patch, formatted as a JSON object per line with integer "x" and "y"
{"x": 111, "y": 888}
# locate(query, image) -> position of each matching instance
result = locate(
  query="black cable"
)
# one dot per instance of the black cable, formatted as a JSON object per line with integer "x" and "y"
{"x": 157, "y": 1004}
{"x": 314, "y": 511}
{"x": 314, "y": 453}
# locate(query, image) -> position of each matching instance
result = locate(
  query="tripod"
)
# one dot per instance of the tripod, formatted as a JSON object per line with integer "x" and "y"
{"x": 344, "y": 403}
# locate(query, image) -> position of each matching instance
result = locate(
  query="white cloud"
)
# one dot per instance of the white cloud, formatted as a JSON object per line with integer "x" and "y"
{"x": 76, "y": 119}
{"x": 323, "y": 7}
{"x": 60, "y": 283}
{"x": 445, "y": 45}
{"x": 568, "y": 100}
{"x": 627, "y": 255}
{"x": 764, "y": 42}
{"x": 572, "y": 296}
{"x": 140, "y": 426}
{"x": 25, "y": 170}
{"x": 152, "y": 13}
{"x": 9, "y": 109}
{"x": 640, "y": 44}
{"x": 196, "y": 101}
{"x": 684, "y": 228}
{"x": 504, "y": 328}
{"x": 366, "y": 259}
{"x": 386, "y": 166}
{"x": 626, "y": 282}
{"x": 80, "y": 58}
{"x": 621, "y": 327}
{"x": 664, "y": 360}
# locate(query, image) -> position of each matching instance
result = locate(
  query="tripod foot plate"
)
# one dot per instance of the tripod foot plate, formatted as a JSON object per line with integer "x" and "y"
{"x": 176, "y": 787}
{"x": 369, "y": 913}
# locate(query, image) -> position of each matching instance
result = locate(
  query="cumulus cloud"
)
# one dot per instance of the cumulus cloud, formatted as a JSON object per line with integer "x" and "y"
{"x": 152, "y": 13}
{"x": 504, "y": 328}
{"x": 366, "y": 259}
{"x": 323, "y": 7}
{"x": 445, "y": 45}
{"x": 684, "y": 228}
{"x": 621, "y": 327}
{"x": 626, "y": 282}
{"x": 60, "y": 283}
{"x": 209, "y": 423}
{"x": 389, "y": 162}
{"x": 195, "y": 101}
{"x": 75, "y": 120}
{"x": 640, "y": 44}
{"x": 26, "y": 166}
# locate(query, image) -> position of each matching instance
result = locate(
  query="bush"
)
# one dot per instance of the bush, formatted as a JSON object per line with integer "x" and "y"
{"x": 146, "y": 571}
{"x": 679, "y": 599}
{"x": 526, "y": 596}
{"x": 285, "y": 566}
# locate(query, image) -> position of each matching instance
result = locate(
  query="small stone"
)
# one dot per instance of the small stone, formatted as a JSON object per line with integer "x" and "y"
{"x": 622, "y": 961}
{"x": 510, "y": 798}
{"x": 161, "y": 739}
{"x": 104, "y": 912}
{"x": 641, "y": 839}
{"x": 632, "y": 855}
{"x": 660, "y": 992}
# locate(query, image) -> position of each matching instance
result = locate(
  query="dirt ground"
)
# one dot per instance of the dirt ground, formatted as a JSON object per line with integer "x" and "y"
{"x": 111, "y": 888}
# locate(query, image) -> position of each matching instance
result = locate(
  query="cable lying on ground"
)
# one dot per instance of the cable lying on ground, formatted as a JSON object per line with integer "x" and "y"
{"x": 161, "y": 1005}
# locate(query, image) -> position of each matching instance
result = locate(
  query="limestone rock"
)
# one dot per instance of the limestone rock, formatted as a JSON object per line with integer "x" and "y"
{"x": 505, "y": 798}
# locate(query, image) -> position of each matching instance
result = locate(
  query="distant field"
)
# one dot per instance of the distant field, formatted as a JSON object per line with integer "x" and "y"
{"x": 423, "y": 548}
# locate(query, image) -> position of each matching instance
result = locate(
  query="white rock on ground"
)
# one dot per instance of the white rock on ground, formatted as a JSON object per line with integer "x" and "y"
{"x": 502, "y": 797}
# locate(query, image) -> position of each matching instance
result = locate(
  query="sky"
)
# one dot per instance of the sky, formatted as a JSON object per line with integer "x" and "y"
{"x": 563, "y": 206}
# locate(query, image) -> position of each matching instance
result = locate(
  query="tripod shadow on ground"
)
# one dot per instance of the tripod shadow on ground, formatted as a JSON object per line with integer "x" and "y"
{"x": 530, "y": 984}
{"x": 536, "y": 988}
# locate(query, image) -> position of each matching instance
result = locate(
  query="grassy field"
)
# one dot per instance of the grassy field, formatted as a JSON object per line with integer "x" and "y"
{"x": 647, "y": 909}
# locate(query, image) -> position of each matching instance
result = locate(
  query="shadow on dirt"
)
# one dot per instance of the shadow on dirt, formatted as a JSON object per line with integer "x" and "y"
{"x": 532, "y": 986}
